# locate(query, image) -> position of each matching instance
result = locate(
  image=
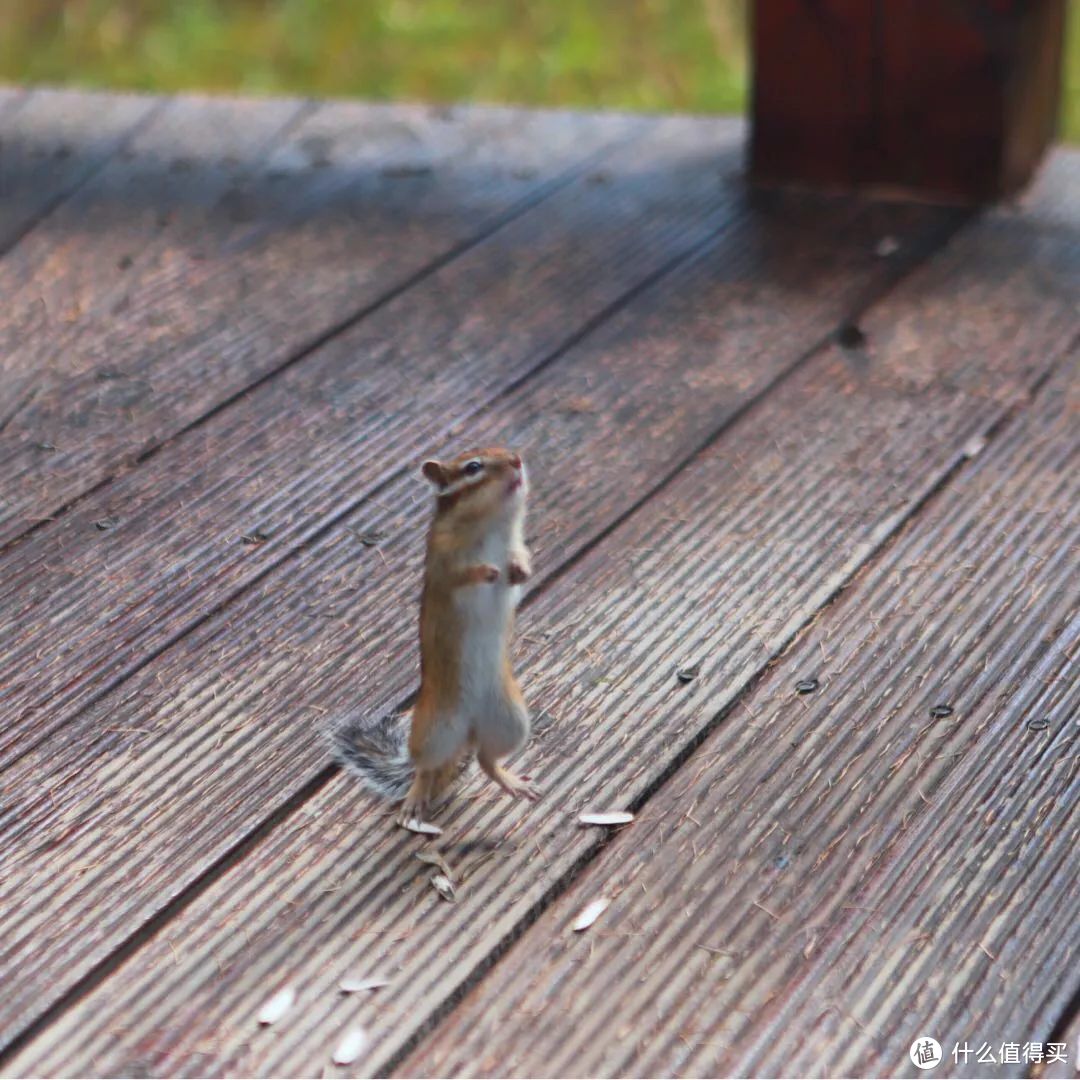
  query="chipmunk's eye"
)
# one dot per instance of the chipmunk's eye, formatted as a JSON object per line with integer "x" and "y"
{"x": 473, "y": 468}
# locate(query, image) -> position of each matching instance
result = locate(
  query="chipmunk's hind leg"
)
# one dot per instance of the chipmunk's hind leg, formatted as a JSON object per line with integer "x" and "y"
{"x": 503, "y": 731}
{"x": 414, "y": 807}
{"x": 437, "y": 750}
{"x": 500, "y": 730}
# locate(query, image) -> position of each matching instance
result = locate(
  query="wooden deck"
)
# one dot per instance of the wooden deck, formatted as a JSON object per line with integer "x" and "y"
{"x": 826, "y": 451}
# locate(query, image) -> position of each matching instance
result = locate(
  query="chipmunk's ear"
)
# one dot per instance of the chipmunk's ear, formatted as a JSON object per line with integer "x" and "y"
{"x": 435, "y": 471}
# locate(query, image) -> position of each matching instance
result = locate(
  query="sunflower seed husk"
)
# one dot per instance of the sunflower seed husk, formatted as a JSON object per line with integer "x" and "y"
{"x": 974, "y": 446}
{"x": 277, "y": 1006}
{"x": 443, "y": 886}
{"x": 688, "y": 673}
{"x": 354, "y": 984}
{"x": 351, "y": 1047}
{"x": 425, "y": 828}
{"x": 590, "y": 913}
{"x": 606, "y": 817}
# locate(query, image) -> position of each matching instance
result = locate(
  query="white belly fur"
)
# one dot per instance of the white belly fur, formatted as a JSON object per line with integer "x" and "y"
{"x": 485, "y": 610}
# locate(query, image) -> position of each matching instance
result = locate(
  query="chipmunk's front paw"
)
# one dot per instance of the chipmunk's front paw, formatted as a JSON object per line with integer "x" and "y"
{"x": 477, "y": 574}
{"x": 519, "y": 570}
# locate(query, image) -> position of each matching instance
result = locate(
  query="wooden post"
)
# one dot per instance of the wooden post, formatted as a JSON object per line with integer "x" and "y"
{"x": 944, "y": 99}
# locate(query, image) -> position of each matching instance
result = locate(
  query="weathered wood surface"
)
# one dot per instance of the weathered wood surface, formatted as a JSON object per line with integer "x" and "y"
{"x": 775, "y": 516}
{"x": 356, "y": 422}
{"x": 831, "y": 875}
{"x": 232, "y": 238}
{"x": 215, "y": 717}
{"x": 174, "y": 846}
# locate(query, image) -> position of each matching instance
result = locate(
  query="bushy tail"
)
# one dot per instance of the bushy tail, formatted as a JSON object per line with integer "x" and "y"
{"x": 375, "y": 748}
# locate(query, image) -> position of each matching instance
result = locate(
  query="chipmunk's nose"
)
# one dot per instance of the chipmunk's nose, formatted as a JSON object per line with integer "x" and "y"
{"x": 515, "y": 460}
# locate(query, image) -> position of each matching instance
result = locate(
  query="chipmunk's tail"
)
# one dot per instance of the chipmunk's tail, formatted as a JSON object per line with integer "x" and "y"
{"x": 375, "y": 748}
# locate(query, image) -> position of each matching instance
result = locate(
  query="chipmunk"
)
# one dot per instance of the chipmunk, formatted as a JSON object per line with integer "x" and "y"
{"x": 469, "y": 701}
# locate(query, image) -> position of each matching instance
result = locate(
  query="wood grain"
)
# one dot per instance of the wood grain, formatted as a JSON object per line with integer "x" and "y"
{"x": 234, "y": 237}
{"x": 722, "y": 567}
{"x": 223, "y": 718}
{"x": 832, "y": 874}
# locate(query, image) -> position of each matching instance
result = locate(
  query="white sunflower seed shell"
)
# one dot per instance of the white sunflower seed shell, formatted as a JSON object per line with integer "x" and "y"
{"x": 590, "y": 913}
{"x": 277, "y": 1006}
{"x": 606, "y": 817}
{"x": 354, "y": 984}
{"x": 350, "y": 1047}
{"x": 425, "y": 828}
{"x": 974, "y": 446}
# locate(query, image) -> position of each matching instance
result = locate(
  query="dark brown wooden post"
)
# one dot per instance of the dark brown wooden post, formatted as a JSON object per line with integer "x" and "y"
{"x": 952, "y": 99}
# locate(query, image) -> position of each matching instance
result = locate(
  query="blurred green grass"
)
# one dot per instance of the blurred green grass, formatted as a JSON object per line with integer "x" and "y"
{"x": 687, "y": 55}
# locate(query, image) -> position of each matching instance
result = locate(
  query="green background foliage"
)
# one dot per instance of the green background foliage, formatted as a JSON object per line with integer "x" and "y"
{"x": 687, "y": 55}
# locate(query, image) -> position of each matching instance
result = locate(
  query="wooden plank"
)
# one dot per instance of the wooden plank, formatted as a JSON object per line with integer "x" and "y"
{"x": 831, "y": 876}
{"x": 945, "y": 100}
{"x": 230, "y": 269}
{"x": 356, "y": 423}
{"x": 51, "y": 141}
{"x": 757, "y": 534}
{"x": 188, "y": 730}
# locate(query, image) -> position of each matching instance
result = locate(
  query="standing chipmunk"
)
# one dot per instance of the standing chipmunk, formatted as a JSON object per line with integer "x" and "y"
{"x": 469, "y": 701}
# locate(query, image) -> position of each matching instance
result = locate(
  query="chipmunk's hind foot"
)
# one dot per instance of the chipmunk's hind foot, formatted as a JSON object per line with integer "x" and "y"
{"x": 410, "y": 815}
{"x": 430, "y": 787}
{"x": 518, "y": 787}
